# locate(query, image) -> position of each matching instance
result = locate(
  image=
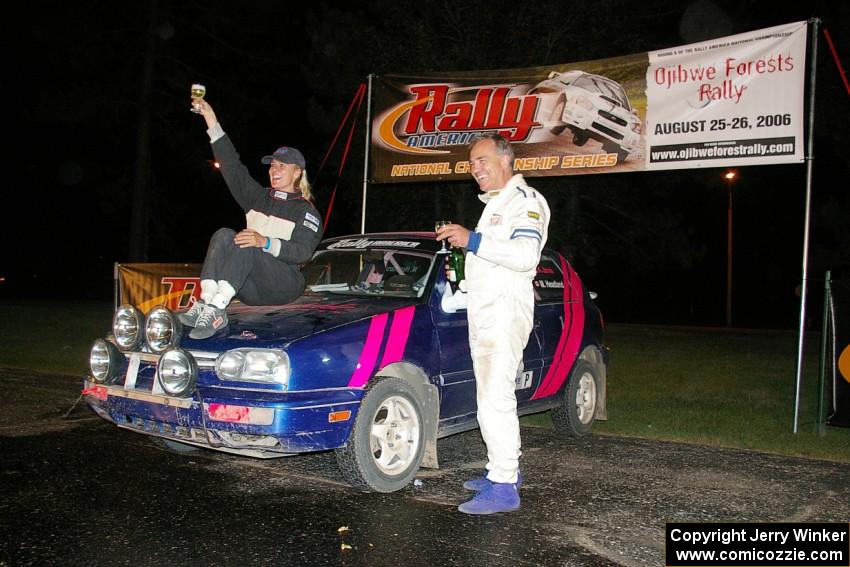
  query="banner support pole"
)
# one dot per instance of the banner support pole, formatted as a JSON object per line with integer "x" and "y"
{"x": 824, "y": 339}
{"x": 116, "y": 285}
{"x": 815, "y": 26}
{"x": 366, "y": 153}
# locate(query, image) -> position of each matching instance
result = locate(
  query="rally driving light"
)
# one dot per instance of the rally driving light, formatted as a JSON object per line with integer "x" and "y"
{"x": 105, "y": 361}
{"x": 162, "y": 329}
{"x": 254, "y": 365}
{"x": 127, "y": 327}
{"x": 177, "y": 372}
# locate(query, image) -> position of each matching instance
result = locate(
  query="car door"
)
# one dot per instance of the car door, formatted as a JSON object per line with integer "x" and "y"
{"x": 457, "y": 402}
{"x": 457, "y": 378}
{"x": 549, "y": 314}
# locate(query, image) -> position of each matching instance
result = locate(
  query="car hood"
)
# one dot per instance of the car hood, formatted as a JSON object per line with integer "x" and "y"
{"x": 306, "y": 316}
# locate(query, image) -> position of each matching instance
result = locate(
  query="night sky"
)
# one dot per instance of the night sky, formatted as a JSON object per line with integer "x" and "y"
{"x": 97, "y": 99}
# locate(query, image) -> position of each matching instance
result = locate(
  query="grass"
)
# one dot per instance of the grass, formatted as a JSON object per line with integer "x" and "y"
{"x": 714, "y": 387}
{"x": 51, "y": 336}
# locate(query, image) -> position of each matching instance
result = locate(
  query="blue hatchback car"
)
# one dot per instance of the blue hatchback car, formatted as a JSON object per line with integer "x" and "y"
{"x": 366, "y": 363}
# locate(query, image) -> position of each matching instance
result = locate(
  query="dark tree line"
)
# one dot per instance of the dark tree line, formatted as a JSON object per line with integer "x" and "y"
{"x": 119, "y": 169}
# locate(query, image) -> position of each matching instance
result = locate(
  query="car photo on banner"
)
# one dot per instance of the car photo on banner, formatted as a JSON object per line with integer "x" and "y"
{"x": 590, "y": 107}
{"x": 365, "y": 363}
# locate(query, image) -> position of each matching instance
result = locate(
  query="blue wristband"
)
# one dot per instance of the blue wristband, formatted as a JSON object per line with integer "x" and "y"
{"x": 474, "y": 242}
{"x": 268, "y": 243}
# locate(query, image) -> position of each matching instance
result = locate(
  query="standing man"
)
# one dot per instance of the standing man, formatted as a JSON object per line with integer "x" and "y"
{"x": 501, "y": 262}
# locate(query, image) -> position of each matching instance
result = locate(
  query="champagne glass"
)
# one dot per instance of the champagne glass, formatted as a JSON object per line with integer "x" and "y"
{"x": 198, "y": 91}
{"x": 437, "y": 225}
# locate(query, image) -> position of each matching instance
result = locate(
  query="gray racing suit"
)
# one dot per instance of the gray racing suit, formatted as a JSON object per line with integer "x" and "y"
{"x": 260, "y": 276}
{"x": 501, "y": 263}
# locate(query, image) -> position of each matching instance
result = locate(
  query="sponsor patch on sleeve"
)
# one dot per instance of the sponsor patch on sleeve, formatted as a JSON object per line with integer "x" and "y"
{"x": 312, "y": 218}
{"x": 311, "y": 226}
{"x": 534, "y": 215}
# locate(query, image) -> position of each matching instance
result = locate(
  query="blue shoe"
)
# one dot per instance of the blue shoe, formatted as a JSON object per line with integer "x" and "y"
{"x": 498, "y": 497}
{"x": 479, "y": 484}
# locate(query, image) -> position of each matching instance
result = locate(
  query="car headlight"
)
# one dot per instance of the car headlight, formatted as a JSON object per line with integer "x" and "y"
{"x": 584, "y": 102}
{"x": 162, "y": 329}
{"x": 254, "y": 365}
{"x": 105, "y": 362}
{"x": 127, "y": 327}
{"x": 177, "y": 372}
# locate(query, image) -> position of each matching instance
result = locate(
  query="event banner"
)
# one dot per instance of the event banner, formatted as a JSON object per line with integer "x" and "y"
{"x": 148, "y": 285}
{"x": 731, "y": 101}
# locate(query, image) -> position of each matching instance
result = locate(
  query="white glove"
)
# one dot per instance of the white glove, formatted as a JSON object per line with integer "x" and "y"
{"x": 452, "y": 302}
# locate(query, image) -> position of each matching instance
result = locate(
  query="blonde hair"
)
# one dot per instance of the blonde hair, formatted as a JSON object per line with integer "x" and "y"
{"x": 304, "y": 186}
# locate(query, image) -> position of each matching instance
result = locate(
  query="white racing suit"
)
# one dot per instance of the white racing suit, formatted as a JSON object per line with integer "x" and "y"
{"x": 501, "y": 263}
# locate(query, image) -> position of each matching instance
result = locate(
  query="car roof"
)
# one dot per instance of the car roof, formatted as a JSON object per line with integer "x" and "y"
{"x": 573, "y": 75}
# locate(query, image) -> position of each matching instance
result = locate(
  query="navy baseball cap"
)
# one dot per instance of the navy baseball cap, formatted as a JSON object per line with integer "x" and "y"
{"x": 285, "y": 154}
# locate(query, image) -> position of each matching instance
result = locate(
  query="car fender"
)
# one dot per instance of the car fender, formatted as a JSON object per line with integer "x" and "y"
{"x": 429, "y": 396}
{"x": 596, "y": 357}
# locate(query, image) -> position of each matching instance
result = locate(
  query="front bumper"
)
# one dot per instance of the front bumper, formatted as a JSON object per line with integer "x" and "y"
{"x": 603, "y": 127}
{"x": 256, "y": 424}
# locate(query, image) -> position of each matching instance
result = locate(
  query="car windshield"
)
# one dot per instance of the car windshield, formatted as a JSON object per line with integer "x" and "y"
{"x": 393, "y": 273}
{"x": 608, "y": 89}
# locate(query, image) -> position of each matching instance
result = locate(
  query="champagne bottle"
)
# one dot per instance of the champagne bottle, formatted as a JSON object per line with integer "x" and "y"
{"x": 456, "y": 265}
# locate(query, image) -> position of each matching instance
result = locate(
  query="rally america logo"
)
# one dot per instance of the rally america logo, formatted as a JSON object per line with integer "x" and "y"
{"x": 445, "y": 115}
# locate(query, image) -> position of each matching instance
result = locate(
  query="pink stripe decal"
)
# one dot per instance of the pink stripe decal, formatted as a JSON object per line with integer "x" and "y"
{"x": 369, "y": 354}
{"x": 399, "y": 331}
{"x": 570, "y": 339}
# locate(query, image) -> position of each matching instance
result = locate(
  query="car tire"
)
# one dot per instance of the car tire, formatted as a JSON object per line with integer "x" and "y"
{"x": 576, "y": 414}
{"x": 558, "y": 117}
{"x": 580, "y": 139}
{"x": 615, "y": 149}
{"x": 174, "y": 446}
{"x": 386, "y": 443}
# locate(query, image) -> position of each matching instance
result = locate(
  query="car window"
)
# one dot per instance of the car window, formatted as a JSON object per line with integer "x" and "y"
{"x": 549, "y": 281}
{"x": 396, "y": 273}
{"x": 605, "y": 87}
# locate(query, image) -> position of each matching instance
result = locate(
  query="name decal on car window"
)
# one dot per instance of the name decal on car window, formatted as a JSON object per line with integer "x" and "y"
{"x": 365, "y": 243}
